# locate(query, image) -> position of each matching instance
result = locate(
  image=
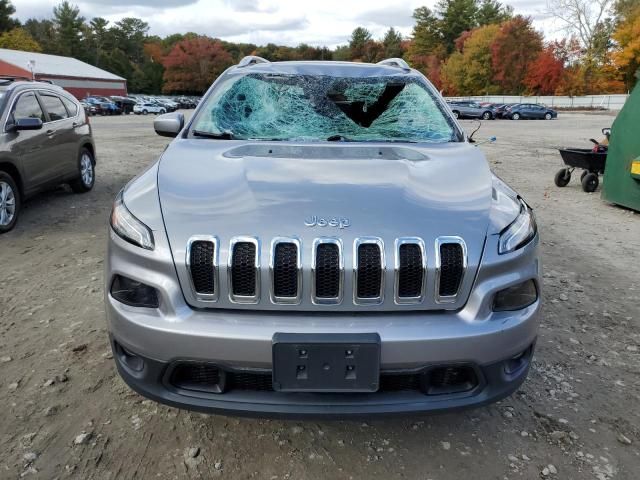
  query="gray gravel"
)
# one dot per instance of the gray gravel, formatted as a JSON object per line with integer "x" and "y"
{"x": 577, "y": 417}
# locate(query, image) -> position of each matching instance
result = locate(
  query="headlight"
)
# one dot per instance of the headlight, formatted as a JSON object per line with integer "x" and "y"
{"x": 128, "y": 227}
{"x": 520, "y": 232}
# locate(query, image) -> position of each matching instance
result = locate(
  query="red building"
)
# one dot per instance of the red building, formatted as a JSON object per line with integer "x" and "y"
{"x": 78, "y": 78}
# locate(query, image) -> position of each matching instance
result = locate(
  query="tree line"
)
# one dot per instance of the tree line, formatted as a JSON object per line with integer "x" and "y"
{"x": 465, "y": 47}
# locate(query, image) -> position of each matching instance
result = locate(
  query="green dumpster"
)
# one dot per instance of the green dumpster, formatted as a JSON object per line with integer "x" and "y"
{"x": 622, "y": 171}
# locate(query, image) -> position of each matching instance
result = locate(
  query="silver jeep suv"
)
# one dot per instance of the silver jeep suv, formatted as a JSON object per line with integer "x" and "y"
{"x": 321, "y": 239}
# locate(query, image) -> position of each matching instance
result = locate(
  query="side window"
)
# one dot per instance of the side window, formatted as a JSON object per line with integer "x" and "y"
{"x": 27, "y": 106}
{"x": 54, "y": 106}
{"x": 72, "y": 108}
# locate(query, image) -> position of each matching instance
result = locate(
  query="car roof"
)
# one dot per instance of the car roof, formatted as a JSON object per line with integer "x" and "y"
{"x": 329, "y": 68}
{"x": 12, "y": 83}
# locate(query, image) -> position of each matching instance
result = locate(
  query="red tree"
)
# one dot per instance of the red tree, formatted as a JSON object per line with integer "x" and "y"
{"x": 544, "y": 75}
{"x": 193, "y": 64}
{"x": 516, "y": 46}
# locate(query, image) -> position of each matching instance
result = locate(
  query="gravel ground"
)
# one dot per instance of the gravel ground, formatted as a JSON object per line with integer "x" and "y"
{"x": 67, "y": 414}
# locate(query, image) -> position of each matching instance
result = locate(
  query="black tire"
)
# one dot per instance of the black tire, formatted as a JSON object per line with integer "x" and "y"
{"x": 86, "y": 178}
{"x": 583, "y": 174}
{"x": 456, "y": 114}
{"x": 590, "y": 182}
{"x": 9, "y": 182}
{"x": 515, "y": 116}
{"x": 162, "y": 111}
{"x": 487, "y": 116}
{"x": 145, "y": 112}
{"x": 562, "y": 178}
{"x": 548, "y": 116}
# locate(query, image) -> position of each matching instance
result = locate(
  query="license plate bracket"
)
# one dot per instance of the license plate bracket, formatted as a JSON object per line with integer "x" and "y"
{"x": 326, "y": 362}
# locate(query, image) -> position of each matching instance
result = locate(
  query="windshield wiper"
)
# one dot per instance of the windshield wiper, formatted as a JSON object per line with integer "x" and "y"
{"x": 338, "y": 138}
{"x": 217, "y": 136}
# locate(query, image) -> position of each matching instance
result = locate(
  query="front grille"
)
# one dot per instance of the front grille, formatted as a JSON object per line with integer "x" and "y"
{"x": 243, "y": 269}
{"x": 202, "y": 266}
{"x": 369, "y": 271}
{"x": 290, "y": 279}
{"x": 451, "y": 269}
{"x": 209, "y": 378}
{"x": 285, "y": 270}
{"x": 327, "y": 272}
{"x": 411, "y": 270}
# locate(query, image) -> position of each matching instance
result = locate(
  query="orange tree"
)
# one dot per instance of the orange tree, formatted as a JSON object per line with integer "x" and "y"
{"x": 193, "y": 64}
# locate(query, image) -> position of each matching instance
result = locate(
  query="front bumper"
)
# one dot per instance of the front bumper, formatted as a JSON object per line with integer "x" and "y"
{"x": 241, "y": 340}
{"x": 154, "y": 382}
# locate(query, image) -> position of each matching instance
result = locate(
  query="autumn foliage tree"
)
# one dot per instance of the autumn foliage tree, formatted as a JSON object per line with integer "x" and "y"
{"x": 627, "y": 36}
{"x": 515, "y": 47}
{"x": 468, "y": 71}
{"x": 545, "y": 73}
{"x": 193, "y": 64}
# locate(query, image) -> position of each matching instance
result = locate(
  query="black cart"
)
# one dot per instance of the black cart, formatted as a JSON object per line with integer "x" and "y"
{"x": 590, "y": 160}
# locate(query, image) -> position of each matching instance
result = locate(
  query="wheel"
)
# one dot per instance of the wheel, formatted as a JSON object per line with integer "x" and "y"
{"x": 590, "y": 182}
{"x": 86, "y": 172}
{"x": 583, "y": 174}
{"x": 548, "y": 116}
{"x": 456, "y": 114}
{"x": 515, "y": 116}
{"x": 486, "y": 116}
{"x": 562, "y": 178}
{"x": 145, "y": 112}
{"x": 162, "y": 111}
{"x": 9, "y": 202}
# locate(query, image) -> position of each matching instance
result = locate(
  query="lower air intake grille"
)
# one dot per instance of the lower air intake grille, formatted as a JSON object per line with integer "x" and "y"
{"x": 201, "y": 264}
{"x": 243, "y": 269}
{"x": 451, "y": 269}
{"x": 369, "y": 271}
{"x": 411, "y": 271}
{"x": 285, "y": 270}
{"x": 327, "y": 275}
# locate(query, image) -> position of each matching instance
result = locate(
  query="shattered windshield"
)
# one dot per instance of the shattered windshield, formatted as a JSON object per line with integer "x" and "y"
{"x": 262, "y": 106}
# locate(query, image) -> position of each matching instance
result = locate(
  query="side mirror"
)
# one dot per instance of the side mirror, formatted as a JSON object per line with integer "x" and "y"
{"x": 27, "y": 124}
{"x": 169, "y": 124}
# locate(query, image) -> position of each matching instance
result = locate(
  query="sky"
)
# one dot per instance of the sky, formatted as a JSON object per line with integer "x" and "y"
{"x": 289, "y": 22}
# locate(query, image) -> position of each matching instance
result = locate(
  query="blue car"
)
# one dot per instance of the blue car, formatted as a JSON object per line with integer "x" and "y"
{"x": 530, "y": 111}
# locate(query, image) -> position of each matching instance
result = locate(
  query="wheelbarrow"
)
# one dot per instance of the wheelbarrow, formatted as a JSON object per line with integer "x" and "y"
{"x": 590, "y": 160}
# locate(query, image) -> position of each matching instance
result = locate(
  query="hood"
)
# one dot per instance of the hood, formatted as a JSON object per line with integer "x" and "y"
{"x": 266, "y": 190}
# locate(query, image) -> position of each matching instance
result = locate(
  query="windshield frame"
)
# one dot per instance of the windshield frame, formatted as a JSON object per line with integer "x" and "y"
{"x": 457, "y": 134}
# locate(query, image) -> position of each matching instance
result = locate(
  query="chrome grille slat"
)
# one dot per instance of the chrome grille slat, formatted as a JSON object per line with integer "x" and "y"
{"x": 327, "y": 272}
{"x": 244, "y": 270}
{"x": 368, "y": 271}
{"x": 202, "y": 264}
{"x": 410, "y": 270}
{"x": 451, "y": 266}
{"x": 286, "y": 271}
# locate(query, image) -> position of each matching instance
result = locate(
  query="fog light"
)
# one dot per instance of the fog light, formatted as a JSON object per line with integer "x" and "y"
{"x": 519, "y": 362}
{"x": 131, "y": 360}
{"x": 516, "y": 297}
{"x": 133, "y": 293}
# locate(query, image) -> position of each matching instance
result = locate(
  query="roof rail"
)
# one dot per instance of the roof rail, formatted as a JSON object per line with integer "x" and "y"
{"x": 251, "y": 60}
{"x": 395, "y": 62}
{"x": 15, "y": 78}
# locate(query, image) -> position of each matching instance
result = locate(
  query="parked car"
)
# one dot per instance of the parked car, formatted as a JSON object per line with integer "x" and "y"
{"x": 148, "y": 107}
{"x": 529, "y": 111}
{"x": 124, "y": 104}
{"x": 103, "y": 105}
{"x": 465, "y": 109}
{"x": 500, "y": 108}
{"x": 260, "y": 268}
{"x": 89, "y": 109}
{"x": 46, "y": 141}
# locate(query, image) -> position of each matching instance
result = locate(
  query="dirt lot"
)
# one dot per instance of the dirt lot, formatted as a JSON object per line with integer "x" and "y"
{"x": 577, "y": 416}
